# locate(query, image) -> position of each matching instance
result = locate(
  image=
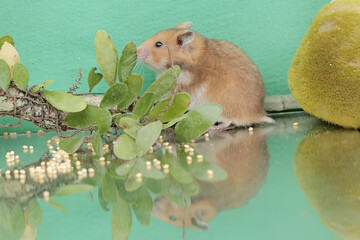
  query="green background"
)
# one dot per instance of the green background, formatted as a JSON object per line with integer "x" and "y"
{"x": 56, "y": 38}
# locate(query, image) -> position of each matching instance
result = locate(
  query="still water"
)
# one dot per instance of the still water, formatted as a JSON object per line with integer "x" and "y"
{"x": 288, "y": 181}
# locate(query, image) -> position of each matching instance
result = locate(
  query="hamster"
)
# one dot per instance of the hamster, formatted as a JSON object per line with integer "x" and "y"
{"x": 212, "y": 71}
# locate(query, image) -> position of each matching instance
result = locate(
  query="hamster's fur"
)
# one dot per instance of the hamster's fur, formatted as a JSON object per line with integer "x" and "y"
{"x": 212, "y": 71}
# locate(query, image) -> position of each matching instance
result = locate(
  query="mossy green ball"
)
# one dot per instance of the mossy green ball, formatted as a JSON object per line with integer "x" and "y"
{"x": 324, "y": 76}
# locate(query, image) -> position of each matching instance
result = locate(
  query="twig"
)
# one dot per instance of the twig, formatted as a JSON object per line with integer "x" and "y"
{"x": 173, "y": 91}
{"x": 185, "y": 217}
{"x": 14, "y": 99}
{"x": 73, "y": 133}
{"x": 186, "y": 208}
{"x": 77, "y": 83}
{"x": 172, "y": 64}
{"x": 89, "y": 93}
{"x": 12, "y": 125}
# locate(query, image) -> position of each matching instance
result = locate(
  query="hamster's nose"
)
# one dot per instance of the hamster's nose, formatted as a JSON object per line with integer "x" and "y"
{"x": 142, "y": 53}
{"x": 139, "y": 50}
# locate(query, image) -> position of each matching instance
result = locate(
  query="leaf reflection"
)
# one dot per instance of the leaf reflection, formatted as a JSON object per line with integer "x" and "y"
{"x": 123, "y": 186}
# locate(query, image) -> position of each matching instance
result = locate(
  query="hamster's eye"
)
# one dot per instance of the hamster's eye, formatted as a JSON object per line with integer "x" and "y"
{"x": 158, "y": 44}
{"x": 172, "y": 218}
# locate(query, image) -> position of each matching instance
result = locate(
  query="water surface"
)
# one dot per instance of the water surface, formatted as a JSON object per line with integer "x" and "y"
{"x": 284, "y": 182}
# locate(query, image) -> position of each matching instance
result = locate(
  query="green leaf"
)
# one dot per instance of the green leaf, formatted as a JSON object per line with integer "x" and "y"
{"x": 144, "y": 105}
{"x": 154, "y": 185}
{"x": 6, "y": 220}
{"x": 56, "y": 204}
{"x": 200, "y": 169}
{"x": 94, "y": 78}
{"x": 6, "y": 38}
{"x": 124, "y": 147}
{"x": 142, "y": 217}
{"x": 177, "y": 108}
{"x": 118, "y": 116}
{"x": 103, "y": 120}
{"x": 127, "y": 120}
{"x": 45, "y": 85}
{"x": 132, "y": 183}
{"x": 64, "y": 101}
{"x": 191, "y": 188}
{"x": 106, "y": 56}
{"x": 153, "y": 172}
{"x": 134, "y": 167}
{"x": 125, "y": 168}
{"x": 175, "y": 194}
{"x": 97, "y": 143}
{"x": 21, "y": 76}
{"x": 147, "y": 136}
{"x": 164, "y": 83}
{"x": 71, "y": 145}
{"x": 114, "y": 95}
{"x": 176, "y": 171}
{"x": 109, "y": 191}
{"x": 34, "y": 214}
{"x": 144, "y": 201}
{"x": 111, "y": 170}
{"x": 173, "y": 122}
{"x": 158, "y": 108}
{"x": 134, "y": 83}
{"x": 73, "y": 189}
{"x": 18, "y": 217}
{"x": 83, "y": 119}
{"x": 129, "y": 125}
{"x": 198, "y": 121}
{"x": 5, "y": 75}
{"x": 102, "y": 202}
{"x": 121, "y": 220}
{"x": 129, "y": 197}
{"x": 127, "y": 61}
{"x": 139, "y": 166}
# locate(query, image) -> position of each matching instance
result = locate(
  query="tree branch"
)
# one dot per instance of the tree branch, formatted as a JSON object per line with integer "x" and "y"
{"x": 32, "y": 107}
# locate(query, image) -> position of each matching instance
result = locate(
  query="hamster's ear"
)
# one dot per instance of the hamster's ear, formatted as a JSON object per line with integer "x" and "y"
{"x": 187, "y": 25}
{"x": 185, "y": 37}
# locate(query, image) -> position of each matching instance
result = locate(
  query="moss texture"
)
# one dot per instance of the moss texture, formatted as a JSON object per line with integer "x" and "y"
{"x": 324, "y": 76}
{"x": 327, "y": 166}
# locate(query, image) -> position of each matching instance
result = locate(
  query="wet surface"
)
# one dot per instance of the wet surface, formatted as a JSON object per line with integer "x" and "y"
{"x": 288, "y": 181}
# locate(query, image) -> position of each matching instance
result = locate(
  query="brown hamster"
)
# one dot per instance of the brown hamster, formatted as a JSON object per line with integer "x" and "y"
{"x": 212, "y": 71}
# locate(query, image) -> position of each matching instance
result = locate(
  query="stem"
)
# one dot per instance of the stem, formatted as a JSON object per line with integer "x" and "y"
{"x": 173, "y": 91}
{"x": 185, "y": 216}
{"x": 12, "y": 125}
{"x": 89, "y": 93}
{"x": 77, "y": 83}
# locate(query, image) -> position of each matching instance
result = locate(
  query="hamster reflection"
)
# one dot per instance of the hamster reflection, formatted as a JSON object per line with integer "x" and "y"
{"x": 244, "y": 157}
{"x": 327, "y": 165}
